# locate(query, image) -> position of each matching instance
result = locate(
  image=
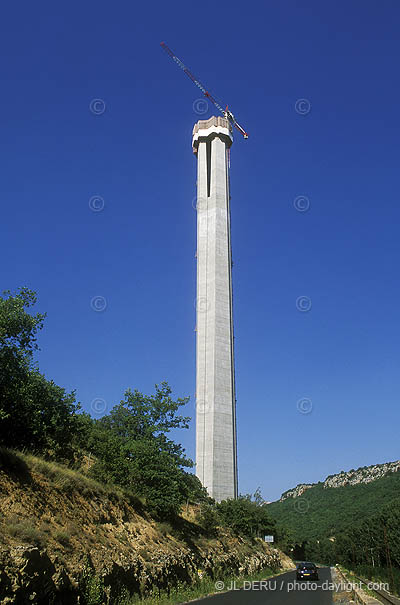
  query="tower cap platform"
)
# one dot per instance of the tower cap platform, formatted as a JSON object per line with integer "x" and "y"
{"x": 216, "y": 125}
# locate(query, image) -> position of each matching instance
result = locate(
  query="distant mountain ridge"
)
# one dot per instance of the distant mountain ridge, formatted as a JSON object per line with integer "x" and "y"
{"x": 364, "y": 474}
{"x": 326, "y": 508}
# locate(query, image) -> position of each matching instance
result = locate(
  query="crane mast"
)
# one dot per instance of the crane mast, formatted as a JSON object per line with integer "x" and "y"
{"x": 225, "y": 112}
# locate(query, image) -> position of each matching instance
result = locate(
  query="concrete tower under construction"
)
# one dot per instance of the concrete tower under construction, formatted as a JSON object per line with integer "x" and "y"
{"x": 216, "y": 450}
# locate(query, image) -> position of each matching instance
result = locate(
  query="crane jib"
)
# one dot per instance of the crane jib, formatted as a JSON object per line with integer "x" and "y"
{"x": 224, "y": 112}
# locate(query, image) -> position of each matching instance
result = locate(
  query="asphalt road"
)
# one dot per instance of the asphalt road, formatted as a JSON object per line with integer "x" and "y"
{"x": 281, "y": 590}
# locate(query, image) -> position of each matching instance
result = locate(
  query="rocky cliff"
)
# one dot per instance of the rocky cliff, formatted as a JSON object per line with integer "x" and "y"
{"x": 365, "y": 474}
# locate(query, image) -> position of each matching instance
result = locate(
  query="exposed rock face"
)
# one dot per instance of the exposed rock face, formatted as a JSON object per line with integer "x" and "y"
{"x": 26, "y": 575}
{"x": 297, "y": 491}
{"x": 362, "y": 475}
{"x": 29, "y": 576}
{"x": 365, "y": 474}
{"x": 59, "y": 534}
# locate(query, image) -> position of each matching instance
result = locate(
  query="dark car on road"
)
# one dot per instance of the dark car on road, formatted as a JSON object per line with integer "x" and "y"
{"x": 306, "y": 571}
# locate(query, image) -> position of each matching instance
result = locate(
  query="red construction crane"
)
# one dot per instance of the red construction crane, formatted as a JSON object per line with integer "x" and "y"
{"x": 225, "y": 112}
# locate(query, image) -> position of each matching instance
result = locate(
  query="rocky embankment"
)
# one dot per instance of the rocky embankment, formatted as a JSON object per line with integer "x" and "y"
{"x": 61, "y": 532}
{"x": 365, "y": 474}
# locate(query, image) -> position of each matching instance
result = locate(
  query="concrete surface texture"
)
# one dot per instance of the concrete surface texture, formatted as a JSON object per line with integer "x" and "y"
{"x": 216, "y": 457}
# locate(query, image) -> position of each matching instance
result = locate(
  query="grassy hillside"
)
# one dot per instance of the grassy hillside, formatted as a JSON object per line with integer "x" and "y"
{"x": 323, "y": 512}
{"x": 64, "y": 535}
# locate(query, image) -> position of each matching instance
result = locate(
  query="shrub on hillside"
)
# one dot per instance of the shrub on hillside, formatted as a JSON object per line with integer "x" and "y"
{"x": 130, "y": 445}
{"x": 132, "y": 450}
{"x": 245, "y": 516}
{"x": 208, "y": 519}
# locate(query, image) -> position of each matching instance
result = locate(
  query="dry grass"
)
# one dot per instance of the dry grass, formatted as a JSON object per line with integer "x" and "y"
{"x": 25, "y": 530}
{"x": 62, "y": 537}
{"x": 51, "y": 490}
{"x": 64, "y": 479}
{"x": 164, "y": 528}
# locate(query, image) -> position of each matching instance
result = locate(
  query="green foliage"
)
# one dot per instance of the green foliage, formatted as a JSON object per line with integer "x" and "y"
{"x": 375, "y": 540}
{"x": 91, "y": 586}
{"x": 285, "y": 539}
{"x": 355, "y": 525}
{"x": 202, "y": 586}
{"x": 18, "y": 328}
{"x": 324, "y": 512}
{"x": 371, "y": 547}
{"x": 13, "y": 462}
{"x": 194, "y": 490}
{"x": 35, "y": 413}
{"x": 321, "y": 551}
{"x": 155, "y": 475}
{"x": 246, "y": 516}
{"x": 208, "y": 518}
{"x": 133, "y": 451}
{"x": 150, "y": 417}
{"x": 18, "y": 331}
{"x": 25, "y": 530}
{"x": 131, "y": 444}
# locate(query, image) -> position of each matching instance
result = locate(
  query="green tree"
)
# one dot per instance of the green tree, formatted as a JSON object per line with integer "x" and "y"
{"x": 140, "y": 416}
{"x": 194, "y": 490}
{"x": 155, "y": 475}
{"x": 18, "y": 328}
{"x": 35, "y": 413}
{"x": 246, "y": 517}
{"x": 285, "y": 539}
{"x": 208, "y": 518}
{"x": 257, "y": 497}
{"x": 18, "y": 331}
{"x": 133, "y": 450}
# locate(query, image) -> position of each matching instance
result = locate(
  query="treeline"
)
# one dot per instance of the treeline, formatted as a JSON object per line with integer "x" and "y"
{"x": 129, "y": 447}
{"x": 371, "y": 547}
{"x": 324, "y": 512}
{"x": 357, "y": 526}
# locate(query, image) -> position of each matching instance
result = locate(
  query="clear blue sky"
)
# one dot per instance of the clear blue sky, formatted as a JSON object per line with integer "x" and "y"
{"x": 138, "y": 252}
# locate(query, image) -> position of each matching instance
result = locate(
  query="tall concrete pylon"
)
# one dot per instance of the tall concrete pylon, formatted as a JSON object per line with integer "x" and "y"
{"x": 216, "y": 450}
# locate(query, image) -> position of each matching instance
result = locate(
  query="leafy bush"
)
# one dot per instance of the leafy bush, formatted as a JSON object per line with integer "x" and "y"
{"x": 208, "y": 519}
{"x": 130, "y": 445}
{"x": 245, "y": 516}
{"x": 91, "y": 586}
{"x": 133, "y": 451}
